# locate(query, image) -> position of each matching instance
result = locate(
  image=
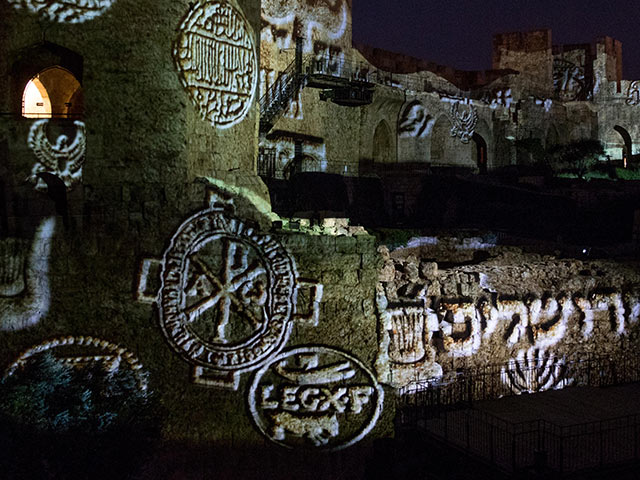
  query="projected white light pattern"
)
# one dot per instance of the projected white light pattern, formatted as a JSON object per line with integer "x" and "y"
{"x": 65, "y": 11}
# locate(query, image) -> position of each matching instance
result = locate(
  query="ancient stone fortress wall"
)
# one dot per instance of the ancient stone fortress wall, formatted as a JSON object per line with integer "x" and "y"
{"x": 117, "y": 251}
{"x": 493, "y": 306}
{"x": 433, "y": 129}
{"x": 529, "y": 53}
{"x": 324, "y": 130}
{"x": 157, "y": 108}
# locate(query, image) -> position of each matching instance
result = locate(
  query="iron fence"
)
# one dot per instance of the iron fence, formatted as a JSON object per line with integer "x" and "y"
{"x": 538, "y": 444}
{"x": 443, "y": 408}
{"x": 496, "y": 381}
{"x": 267, "y": 162}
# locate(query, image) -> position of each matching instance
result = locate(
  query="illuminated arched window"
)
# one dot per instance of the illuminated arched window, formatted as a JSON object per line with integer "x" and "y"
{"x": 54, "y": 92}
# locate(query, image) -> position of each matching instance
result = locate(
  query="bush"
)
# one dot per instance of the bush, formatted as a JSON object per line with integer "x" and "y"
{"x": 60, "y": 421}
{"x": 575, "y": 157}
{"x": 530, "y": 152}
{"x": 628, "y": 173}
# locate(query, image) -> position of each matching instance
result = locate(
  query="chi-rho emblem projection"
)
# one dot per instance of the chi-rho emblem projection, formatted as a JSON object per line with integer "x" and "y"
{"x": 228, "y": 296}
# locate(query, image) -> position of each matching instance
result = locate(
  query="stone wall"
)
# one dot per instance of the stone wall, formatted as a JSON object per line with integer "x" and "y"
{"x": 529, "y": 53}
{"x": 141, "y": 231}
{"x": 450, "y": 304}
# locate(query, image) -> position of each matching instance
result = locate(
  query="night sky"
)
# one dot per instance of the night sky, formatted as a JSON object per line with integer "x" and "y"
{"x": 458, "y": 33}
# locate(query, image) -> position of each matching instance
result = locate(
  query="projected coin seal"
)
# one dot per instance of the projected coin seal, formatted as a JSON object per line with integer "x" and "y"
{"x": 227, "y": 296}
{"x": 315, "y": 397}
{"x": 83, "y": 351}
{"x": 216, "y": 56}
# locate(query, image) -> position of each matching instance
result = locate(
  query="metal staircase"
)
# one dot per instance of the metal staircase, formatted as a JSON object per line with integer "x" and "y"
{"x": 339, "y": 80}
{"x": 276, "y": 99}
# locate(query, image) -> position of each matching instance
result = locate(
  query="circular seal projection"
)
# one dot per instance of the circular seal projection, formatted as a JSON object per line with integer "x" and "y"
{"x": 227, "y": 294}
{"x": 82, "y": 351}
{"x": 315, "y": 397}
{"x": 216, "y": 56}
{"x": 65, "y": 11}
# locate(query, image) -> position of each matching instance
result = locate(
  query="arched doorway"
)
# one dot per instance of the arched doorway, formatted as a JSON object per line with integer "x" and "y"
{"x": 382, "y": 152}
{"x": 53, "y": 93}
{"x": 626, "y": 153}
{"x": 553, "y": 137}
{"x": 481, "y": 153}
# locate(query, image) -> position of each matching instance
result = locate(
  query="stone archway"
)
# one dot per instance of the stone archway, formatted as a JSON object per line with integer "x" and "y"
{"x": 53, "y": 93}
{"x": 626, "y": 154}
{"x": 481, "y": 153}
{"x": 53, "y": 73}
{"x": 382, "y": 144}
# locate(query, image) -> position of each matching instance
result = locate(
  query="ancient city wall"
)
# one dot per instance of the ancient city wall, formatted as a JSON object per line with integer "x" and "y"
{"x": 449, "y": 305}
{"x": 105, "y": 214}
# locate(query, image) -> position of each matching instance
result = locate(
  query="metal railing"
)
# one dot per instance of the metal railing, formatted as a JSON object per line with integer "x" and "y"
{"x": 267, "y": 162}
{"x": 277, "y": 97}
{"x": 495, "y": 381}
{"x": 442, "y": 407}
{"x": 536, "y": 444}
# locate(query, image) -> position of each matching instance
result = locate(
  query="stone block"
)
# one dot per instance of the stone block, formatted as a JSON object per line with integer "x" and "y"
{"x": 346, "y": 245}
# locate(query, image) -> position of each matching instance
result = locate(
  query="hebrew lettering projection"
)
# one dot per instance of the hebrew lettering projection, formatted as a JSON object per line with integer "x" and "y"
{"x": 430, "y": 321}
{"x": 216, "y": 57}
{"x": 65, "y": 11}
{"x": 64, "y": 159}
{"x": 315, "y": 397}
{"x": 25, "y": 293}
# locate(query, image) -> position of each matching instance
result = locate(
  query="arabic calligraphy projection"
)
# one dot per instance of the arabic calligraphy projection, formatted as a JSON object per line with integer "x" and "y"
{"x": 216, "y": 56}
{"x": 315, "y": 397}
{"x": 65, "y": 11}
{"x": 63, "y": 159}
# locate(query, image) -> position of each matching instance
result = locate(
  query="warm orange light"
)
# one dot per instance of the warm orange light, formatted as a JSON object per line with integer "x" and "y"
{"x": 54, "y": 92}
{"x": 35, "y": 100}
